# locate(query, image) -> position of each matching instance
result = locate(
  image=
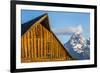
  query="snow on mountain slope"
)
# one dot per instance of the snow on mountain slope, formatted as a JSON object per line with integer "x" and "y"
{"x": 78, "y": 46}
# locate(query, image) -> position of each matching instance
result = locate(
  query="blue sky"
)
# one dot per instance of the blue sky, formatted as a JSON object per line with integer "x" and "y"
{"x": 62, "y": 22}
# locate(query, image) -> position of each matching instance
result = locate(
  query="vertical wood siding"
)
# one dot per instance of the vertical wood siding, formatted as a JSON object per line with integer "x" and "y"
{"x": 38, "y": 44}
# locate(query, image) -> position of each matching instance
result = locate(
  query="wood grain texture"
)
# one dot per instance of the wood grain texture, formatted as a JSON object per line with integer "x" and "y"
{"x": 39, "y": 44}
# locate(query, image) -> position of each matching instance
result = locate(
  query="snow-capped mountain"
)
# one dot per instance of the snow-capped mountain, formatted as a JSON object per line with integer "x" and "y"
{"x": 78, "y": 47}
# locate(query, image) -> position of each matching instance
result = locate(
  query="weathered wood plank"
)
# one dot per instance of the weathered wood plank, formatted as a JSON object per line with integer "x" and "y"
{"x": 39, "y": 44}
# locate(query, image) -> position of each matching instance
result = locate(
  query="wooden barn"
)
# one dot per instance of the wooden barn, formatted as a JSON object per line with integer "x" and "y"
{"x": 39, "y": 44}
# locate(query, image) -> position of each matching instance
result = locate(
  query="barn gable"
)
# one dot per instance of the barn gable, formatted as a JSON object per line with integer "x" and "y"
{"x": 46, "y": 45}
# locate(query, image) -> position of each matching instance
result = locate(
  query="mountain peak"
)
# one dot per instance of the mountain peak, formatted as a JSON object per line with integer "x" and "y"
{"x": 78, "y": 46}
{"x": 78, "y": 37}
